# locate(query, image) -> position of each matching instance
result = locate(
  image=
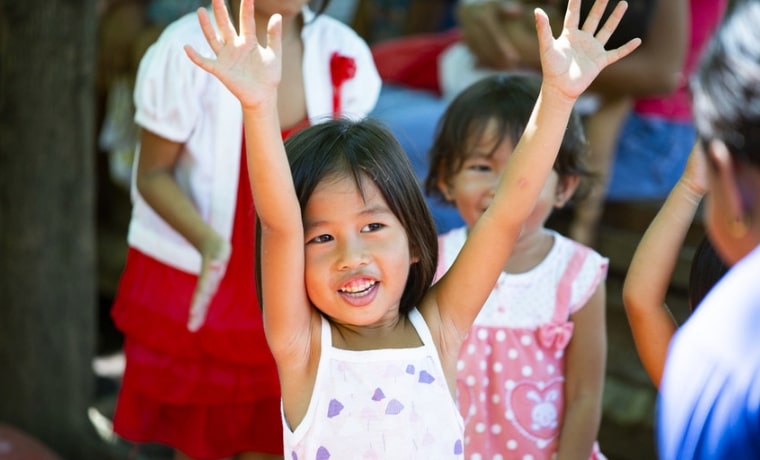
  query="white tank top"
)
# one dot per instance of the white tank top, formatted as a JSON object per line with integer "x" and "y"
{"x": 379, "y": 404}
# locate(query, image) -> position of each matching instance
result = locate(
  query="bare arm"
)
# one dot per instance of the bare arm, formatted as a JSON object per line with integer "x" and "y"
{"x": 649, "y": 274}
{"x": 584, "y": 379}
{"x": 156, "y": 184}
{"x": 252, "y": 71}
{"x": 569, "y": 64}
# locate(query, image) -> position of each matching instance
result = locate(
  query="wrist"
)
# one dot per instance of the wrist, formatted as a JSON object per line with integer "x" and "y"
{"x": 691, "y": 190}
{"x": 556, "y": 97}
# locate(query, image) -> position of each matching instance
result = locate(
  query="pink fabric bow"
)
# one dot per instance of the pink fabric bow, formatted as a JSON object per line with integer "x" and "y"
{"x": 342, "y": 69}
{"x": 555, "y": 335}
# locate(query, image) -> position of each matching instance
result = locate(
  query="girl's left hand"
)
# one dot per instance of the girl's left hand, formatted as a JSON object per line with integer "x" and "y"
{"x": 215, "y": 254}
{"x": 572, "y": 61}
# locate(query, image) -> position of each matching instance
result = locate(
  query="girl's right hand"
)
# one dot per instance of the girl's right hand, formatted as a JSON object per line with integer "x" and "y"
{"x": 250, "y": 71}
{"x": 215, "y": 254}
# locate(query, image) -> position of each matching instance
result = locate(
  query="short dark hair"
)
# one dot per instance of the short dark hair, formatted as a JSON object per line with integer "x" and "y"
{"x": 366, "y": 149}
{"x": 508, "y": 99}
{"x": 726, "y": 86}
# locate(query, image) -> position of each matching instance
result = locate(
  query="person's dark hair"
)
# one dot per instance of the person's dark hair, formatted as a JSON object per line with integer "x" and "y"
{"x": 726, "y": 86}
{"x": 508, "y": 99}
{"x": 707, "y": 268}
{"x": 366, "y": 149}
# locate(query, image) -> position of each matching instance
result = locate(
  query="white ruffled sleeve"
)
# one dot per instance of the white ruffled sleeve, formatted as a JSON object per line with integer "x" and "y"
{"x": 166, "y": 81}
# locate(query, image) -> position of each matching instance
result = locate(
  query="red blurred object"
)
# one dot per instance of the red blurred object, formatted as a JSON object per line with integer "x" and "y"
{"x": 413, "y": 60}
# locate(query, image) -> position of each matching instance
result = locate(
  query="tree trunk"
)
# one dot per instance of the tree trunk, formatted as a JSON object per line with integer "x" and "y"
{"x": 47, "y": 230}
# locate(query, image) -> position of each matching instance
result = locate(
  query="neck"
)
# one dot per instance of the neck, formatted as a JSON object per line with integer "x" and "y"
{"x": 291, "y": 28}
{"x": 291, "y": 25}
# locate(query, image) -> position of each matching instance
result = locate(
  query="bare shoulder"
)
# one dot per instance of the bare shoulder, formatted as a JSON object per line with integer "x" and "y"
{"x": 298, "y": 372}
{"x": 446, "y": 335}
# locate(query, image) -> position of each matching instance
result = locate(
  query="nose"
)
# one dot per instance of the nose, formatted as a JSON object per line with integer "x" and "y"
{"x": 352, "y": 253}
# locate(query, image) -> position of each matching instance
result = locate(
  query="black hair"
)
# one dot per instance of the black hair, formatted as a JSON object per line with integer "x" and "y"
{"x": 366, "y": 149}
{"x": 726, "y": 86}
{"x": 508, "y": 99}
{"x": 707, "y": 268}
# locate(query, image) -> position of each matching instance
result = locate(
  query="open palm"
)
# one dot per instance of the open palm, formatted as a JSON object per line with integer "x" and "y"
{"x": 250, "y": 71}
{"x": 575, "y": 58}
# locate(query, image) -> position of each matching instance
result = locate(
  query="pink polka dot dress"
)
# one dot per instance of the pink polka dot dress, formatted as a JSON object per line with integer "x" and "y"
{"x": 510, "y": 373}
{"x": 379, "y": 404}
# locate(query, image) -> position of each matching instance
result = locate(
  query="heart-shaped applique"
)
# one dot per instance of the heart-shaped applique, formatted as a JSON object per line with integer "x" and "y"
{"x": 535, "y": 409}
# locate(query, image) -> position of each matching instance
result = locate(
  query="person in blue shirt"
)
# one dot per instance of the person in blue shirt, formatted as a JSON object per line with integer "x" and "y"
{"x": 709, "y": 403}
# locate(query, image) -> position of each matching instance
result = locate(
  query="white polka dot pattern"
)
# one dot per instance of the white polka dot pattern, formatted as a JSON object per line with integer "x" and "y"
{"x": 510, "y": 373}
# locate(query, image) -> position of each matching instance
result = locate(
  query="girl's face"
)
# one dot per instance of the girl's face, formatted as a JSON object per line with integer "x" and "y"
{"x": 357, "y": 253}
{"x": 473, "y": 187}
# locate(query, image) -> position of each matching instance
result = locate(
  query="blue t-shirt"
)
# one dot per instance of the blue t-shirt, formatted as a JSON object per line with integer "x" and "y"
{"x": 709, "y": 403}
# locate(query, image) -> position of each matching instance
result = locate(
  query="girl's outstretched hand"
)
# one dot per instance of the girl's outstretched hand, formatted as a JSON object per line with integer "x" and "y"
{"x": 572, "y": 61}
{"x": 250, "y": 71}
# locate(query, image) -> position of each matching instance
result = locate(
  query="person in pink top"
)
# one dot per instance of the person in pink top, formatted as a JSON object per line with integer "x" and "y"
{"x": 656, "y": 139}
{"x": 531, "y": 371}
{"x": 642, "y": 135}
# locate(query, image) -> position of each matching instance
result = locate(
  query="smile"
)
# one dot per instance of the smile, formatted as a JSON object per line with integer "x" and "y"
{"x": 359, "y": 288}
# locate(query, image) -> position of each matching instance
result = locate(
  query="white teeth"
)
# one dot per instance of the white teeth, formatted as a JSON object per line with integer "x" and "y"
{"x": 358, "y": 287}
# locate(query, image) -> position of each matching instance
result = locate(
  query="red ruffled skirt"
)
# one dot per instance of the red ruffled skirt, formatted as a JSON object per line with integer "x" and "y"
{"x": 209, "y": 394}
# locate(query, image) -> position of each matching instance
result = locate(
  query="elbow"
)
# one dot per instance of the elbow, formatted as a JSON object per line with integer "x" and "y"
{"x": 629, "y": 296}
{"x": 142, "y": 183}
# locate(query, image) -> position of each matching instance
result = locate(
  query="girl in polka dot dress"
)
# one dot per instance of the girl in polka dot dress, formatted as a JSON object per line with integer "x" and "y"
{"x": 366, "y": 349}
{"x": 531, "y": 371}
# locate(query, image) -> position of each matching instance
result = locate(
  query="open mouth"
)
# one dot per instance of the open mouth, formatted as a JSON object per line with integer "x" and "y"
{"x": 358, "y": 288}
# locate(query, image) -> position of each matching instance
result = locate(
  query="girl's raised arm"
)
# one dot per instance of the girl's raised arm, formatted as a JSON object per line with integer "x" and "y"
{"x": 569, "y": 65}
{"x": 252, "y": 73}
{"x": 648, "y": 278}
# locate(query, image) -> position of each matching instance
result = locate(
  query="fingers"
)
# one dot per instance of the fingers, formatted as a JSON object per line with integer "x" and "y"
{"x": 209, "y": 279}
{"x": 207, "y": 286}
{"x": 572, "y": 15}
{"x": 543, "y": 29}
{"x": 208, "y": 31}
{"x": 246, "y": 20}
{"x": 612, "y": 22}
{"x": 274, "y": 34}
{"x": 595, "y": 16}
{"x": 226, "y": 29}
{"x": 623, "y": 51}
{"x": 202, "y": 62}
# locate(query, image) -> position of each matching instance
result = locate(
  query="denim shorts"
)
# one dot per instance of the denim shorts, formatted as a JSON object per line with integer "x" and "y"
{"x": 650, "y": 158}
